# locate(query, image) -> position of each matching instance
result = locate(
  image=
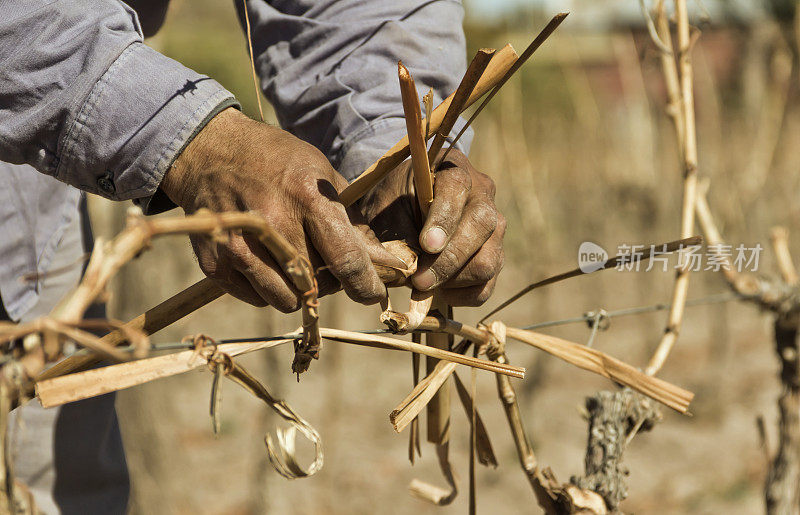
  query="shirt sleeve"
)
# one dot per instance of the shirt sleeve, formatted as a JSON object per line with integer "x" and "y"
{"x": 329, "y": 67}
{"x": 84, "y": 100}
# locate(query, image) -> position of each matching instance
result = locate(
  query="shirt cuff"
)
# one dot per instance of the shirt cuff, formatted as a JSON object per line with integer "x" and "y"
{"x": 365, "y": 147}
{"x": 133, "y": 124}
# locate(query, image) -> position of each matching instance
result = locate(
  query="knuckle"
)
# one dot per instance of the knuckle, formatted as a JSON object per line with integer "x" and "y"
{"x": 449, "y": 260}
{"x": 484, "y": 215}
{"x": 209, "y": 267}
{"x": 457, "y": 178}
{"x": 307, "y": 189}
{"x": 487, "y": 184}
{"x": 484, "y": 295}
{"x": 502, "y": 223}
{"x": 486, "y": 266}
{"x": 350, "y": 265}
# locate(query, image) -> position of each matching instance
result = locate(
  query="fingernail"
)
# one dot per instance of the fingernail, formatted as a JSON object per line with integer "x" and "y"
{"x": 435, "y": 239}
{"x": 424, "y": 281}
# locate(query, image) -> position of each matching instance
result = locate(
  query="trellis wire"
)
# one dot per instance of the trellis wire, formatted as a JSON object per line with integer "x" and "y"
{"x": 591, "y": 317}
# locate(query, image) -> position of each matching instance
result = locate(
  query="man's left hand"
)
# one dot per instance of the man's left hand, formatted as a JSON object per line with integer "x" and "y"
{"x": 462, "y": 237}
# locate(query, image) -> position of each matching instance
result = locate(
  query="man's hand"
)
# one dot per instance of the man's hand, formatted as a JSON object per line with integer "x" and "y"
{"x": 462, "y": 237}
{"x": 237, "y": 164}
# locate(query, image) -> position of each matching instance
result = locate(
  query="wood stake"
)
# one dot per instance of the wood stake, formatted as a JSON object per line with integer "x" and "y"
{"x": 439, "y": 406}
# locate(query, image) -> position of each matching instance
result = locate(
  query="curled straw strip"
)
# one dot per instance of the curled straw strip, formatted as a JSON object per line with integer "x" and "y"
{"x": 403, "y": 323}
{"x": 282, "y": 453}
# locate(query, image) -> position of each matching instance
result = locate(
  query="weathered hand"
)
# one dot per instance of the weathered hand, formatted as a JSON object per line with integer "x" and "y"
{"x": 237, "y": 164}
{"x": 462, "y": 237}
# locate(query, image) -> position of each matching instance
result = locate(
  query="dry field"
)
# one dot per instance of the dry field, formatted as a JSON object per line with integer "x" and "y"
{"x": 581, "y": 150}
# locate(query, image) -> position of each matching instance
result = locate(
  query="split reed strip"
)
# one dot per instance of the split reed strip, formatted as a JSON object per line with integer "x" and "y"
{"x": 72, "y": 387}
{"x": 579, "y": 355}
{"x": 664, "y": 248}
{"x": 384, "y": 342}
{"x": 468, "y": 82}
{"x": 420, "y": 395}
{"x": 689, "y": 155}
{"x": 498, "y": 66}
{"x": 595, "y": 361}
{"x": 535, "y": 44}
{"x": 98, "y": 381}
{"x": 423, "y": 181}
{"x": 149, "y": 322}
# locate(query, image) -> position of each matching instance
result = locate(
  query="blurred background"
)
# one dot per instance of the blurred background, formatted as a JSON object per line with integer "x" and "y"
{"x": 581, "y": 149}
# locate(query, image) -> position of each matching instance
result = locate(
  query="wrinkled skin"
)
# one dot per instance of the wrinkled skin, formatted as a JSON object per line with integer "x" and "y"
{"x": 237, "y": 164}
{"x": 462, "y": 238}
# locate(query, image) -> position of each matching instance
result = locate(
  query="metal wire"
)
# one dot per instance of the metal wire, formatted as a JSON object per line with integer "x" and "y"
{"x": 592, "y": 318}
{"x": 588, "y": 317}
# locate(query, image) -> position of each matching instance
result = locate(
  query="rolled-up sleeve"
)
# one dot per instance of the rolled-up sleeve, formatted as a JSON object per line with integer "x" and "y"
{"x": 330, "y": 68}
{"x": 84, "y": 100}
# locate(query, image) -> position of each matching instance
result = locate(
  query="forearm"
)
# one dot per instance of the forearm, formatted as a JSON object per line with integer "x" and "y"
{"x": 84, "y": 100}
{"x": 330, "y": 69}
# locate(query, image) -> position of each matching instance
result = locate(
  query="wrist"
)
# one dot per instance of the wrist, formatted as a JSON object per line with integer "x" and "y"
{"x": 203, "y": 152}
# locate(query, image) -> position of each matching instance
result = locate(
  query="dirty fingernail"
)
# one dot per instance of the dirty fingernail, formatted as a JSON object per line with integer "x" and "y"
{"x": 435, "y": 239}
{"x": 424, "y": 281}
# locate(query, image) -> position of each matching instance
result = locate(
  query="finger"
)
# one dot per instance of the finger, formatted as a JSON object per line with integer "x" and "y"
{"x": 377, "y": 252}
{"x": 451, "y": 190}
{"x": 390, "y": 207}
{"x": 345, "y": 250}
{"x": 240, "y": 287}
{"x": 249, "y": 257}
{"x": 485, "y": 264}
{"x": 229, "y": 279}
{"x": 470, "y": 296}
{"x": 476, "y": 226}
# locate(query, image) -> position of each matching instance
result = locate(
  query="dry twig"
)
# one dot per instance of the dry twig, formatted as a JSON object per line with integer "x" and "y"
{"x": 689, "y": 155}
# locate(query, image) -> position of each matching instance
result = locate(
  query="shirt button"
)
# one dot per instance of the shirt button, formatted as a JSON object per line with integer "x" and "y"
{"x": 106, "y": 184}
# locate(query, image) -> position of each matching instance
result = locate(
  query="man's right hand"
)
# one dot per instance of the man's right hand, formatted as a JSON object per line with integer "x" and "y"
{"x": 238, "y": 164}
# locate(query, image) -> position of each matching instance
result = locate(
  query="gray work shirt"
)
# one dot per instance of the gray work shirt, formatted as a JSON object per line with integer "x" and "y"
{"x": 85, "y": 102}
